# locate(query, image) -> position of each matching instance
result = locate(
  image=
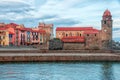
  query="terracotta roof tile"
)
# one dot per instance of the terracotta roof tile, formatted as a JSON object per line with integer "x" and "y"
{"x": 73, "y": 28}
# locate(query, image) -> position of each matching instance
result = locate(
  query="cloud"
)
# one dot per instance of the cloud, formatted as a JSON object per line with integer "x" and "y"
{"x": 59, "y": 12}
{"x": 14, "y": 6}
{"x": 116, "y": 34}
{"x": 116, "y": 23}
{"x": 44, "y": 17}
{"x": 62, "y": 21}
{"x": 116, "y": 29}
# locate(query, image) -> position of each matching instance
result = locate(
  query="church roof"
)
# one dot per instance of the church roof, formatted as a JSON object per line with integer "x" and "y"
{"x": 87, "y": 30}
{"x": 73, "y": 28}
{"x": 93, "y": 31}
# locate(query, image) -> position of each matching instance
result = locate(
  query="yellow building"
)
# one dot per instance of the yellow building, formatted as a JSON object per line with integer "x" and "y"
{"x": 4, "y": 38}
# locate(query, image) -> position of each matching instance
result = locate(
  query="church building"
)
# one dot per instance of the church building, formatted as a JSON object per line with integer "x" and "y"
{"x": 87, "y": 37}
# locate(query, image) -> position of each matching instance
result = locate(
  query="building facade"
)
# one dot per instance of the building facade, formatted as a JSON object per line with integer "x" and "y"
{"x": 87, "y": 37}
{"x": 14, "y": 34}
{"x": 48, "y": 28}
{"x": 4, "y": 38}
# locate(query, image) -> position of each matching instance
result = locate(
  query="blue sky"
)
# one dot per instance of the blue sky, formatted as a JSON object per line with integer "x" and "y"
{"x": 60, "y": 13}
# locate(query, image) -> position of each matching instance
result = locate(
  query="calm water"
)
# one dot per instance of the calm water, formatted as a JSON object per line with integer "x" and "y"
{"x": 60, "y": 71}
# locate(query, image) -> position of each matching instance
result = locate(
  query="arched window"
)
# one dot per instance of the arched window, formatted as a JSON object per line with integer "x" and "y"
{"x": 70, "y": 34}
{"x": 87, "y": 34}
{"x": 66, "y": 35}
{"x": 80, "y": 34}
{"x": 95, "y": 35}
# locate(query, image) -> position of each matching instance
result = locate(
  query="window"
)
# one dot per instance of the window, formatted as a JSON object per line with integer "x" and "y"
{"x": 3, "y": 37}
{"x": 104, "y": 22}
{"x": 0, "y": 38}
{"x": 40, "y": 37}
{"x": 80, "y": 34}
{"x": 87, "y": 34}
{"x": 16, "y": 31}
{"x": 3, "y": 43}
{"x": 10, "y": 35}
{"x": 36, "y": 37}
{"x": 28, "y": 33}
{"x": 95, "y": 34}
{"x": 66, "y": 35}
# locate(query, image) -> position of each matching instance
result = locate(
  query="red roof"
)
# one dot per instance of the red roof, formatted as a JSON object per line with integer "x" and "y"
{"x": 11, "y": 32}
{"x": 107, "y": 13}
{"x": 6, "y": 29}
{"x": 3, "y": 28}
{"x": 73, "y": 39}
{"x": 24, "y": 29}
{"x": 73, "y": 28}
{"x": 11, "y": 25}
{"x": 93, "y": 31}
{"x": 40, "y": 31}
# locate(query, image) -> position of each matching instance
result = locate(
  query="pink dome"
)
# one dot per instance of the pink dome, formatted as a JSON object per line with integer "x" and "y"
{"x": 107, "y": 13}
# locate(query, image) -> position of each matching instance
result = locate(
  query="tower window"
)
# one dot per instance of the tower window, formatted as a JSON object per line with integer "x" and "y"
{"x": 104, "y": 22}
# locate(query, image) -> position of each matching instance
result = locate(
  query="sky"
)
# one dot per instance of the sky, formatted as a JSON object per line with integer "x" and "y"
{"x": 61, "y": 13}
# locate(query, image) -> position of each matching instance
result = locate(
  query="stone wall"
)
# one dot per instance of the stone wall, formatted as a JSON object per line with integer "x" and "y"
{"x": 59, "y": 58}
{"x": 92, "y": 41}
{"x": 73, "y": 46}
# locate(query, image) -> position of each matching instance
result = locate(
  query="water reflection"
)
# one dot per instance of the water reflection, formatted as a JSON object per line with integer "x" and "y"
{"x": 107, "y": 71}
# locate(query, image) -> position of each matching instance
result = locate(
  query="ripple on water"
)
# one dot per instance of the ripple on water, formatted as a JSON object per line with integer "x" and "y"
{"x": 60, "y": 71}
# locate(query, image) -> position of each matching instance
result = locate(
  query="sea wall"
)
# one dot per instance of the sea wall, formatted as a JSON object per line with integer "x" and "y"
{"x": 59, "y": 58}
{"x": 59, "y": 51}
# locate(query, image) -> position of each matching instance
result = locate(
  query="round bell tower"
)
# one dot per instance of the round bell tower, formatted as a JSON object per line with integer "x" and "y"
{"x": 106, "y": 36}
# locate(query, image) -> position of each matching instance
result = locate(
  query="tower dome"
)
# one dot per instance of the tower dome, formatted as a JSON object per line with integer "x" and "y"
{"x": 107, "y": 13}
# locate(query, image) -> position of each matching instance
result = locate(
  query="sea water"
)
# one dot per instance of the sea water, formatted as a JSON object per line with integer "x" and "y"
{"x": 60, "y": 71}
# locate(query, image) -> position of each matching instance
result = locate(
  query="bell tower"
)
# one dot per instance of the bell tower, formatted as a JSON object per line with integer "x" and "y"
{"x": 106, "y": 32}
